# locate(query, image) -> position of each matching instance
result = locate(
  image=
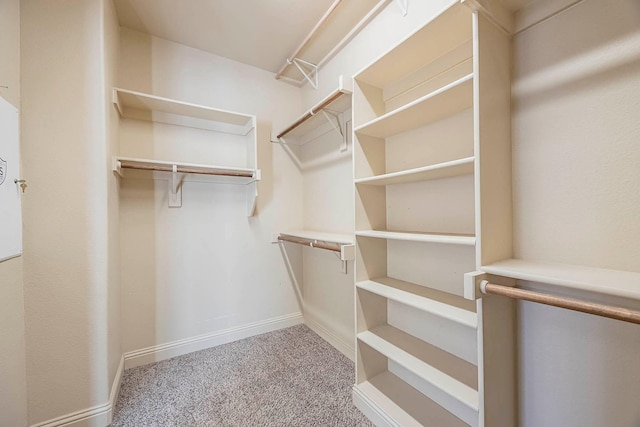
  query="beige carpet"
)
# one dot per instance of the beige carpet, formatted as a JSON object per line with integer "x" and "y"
{"x": 289, "y": 377}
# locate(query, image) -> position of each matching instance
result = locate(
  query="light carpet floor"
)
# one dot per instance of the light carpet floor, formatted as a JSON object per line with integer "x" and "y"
{"x": 290, "y": 377}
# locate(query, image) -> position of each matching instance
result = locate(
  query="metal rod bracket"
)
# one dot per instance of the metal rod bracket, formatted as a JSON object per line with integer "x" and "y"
{"x": 403, "y": 5}
{"x": 175, "y": 189}
{"x": 310, "y": 76}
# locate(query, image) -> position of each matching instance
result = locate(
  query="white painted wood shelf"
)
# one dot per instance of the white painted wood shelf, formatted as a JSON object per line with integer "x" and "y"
{"x": 435, "y": 302}
{"x": 444, "y": 102}
{"x": 342, "y": 243}
{"x": 321, "y": 236}
{"x": 341, "y": 23}
{"x": 434, "y": 112}
{"x": 425, "y": 173}
{"x": 151, "y": 108}
{"x": 451, "y": 239}
{"x": 616, "y": 283}
{"x": 412, "y": 357}
{"x": 219, "y": 173}
{"x": 142, "y": 106}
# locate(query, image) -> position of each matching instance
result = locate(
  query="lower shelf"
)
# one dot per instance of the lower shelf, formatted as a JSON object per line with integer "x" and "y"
{"x": 388, "y": 400}
{"x": 442, "y": 377}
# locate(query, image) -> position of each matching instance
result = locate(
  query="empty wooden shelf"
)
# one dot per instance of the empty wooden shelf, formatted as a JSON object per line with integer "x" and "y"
{"x": 205, "y": 133}
{"x": 437, "y": 171}
{"x": 617, "y": 283}
{"x": 452, "y": 239}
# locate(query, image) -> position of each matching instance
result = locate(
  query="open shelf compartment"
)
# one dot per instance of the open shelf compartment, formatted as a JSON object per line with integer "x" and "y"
{"x": 441, "y": 377}
{"x": 435, "y": 302}
{"x": 142, "y": 106}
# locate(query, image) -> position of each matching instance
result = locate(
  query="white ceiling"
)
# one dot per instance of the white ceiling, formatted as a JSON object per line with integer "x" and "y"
{"x": 262, "y": 33}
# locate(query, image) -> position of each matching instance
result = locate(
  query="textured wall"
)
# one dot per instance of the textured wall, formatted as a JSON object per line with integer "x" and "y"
{"x": 13, "y": 387}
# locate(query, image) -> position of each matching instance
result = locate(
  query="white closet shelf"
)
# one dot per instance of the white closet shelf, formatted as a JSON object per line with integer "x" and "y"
{"x": 335, "y": 103}
{"x": 443, "y": 34}
{"x": 446, "y": 101}
{"x": 381, "y": 392}
{"x": 321, "y": 236}
{"x": 617, "y": 283}
{"x": 337, "y": 27}
{"x": 403, "y": 350}
{"x": 425, "y": 173}
{"x": 235, "y": 175}
{"x": 142, "y": 106}
{"x": 342, "y": 243}
{"x": 435, "y": 302}
{"x": 453, "y": 239}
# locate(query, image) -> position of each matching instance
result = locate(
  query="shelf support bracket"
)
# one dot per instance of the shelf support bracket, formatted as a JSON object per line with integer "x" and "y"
{"x": 404, "y": 7}
{"x": 472, "y": 284}
{"x": 175, "y": 189}
{"x": 117, "y": 167}
{"x": 312, "y": 77}
{"x": 338, "y": 123}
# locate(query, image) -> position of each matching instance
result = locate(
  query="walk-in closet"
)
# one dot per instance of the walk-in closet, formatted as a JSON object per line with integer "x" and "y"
{"x": 319, "y": 213}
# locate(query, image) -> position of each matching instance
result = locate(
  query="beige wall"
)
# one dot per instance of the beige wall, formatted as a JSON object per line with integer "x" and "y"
{"x": 576, "y": 151}
{"x": 204, "y": 267}
{"x": 111, "y": 46}
{"x": 66, "y": 213}
{"x": 13, "y": 386}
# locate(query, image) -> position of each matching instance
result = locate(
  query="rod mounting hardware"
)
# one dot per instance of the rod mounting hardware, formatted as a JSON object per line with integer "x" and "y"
{"x": 308, "y": 70}
{"x": 403, "y": 5}
{"x": 175, "y": 189}
{"x": 338, "y": 123}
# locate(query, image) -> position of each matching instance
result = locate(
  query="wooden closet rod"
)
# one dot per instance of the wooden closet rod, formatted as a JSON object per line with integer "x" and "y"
{"x": 132, "y": 164}
{"x": 609, "y": 311}
{"x": 315, "y": 110}
{"x": 309, "y": 243}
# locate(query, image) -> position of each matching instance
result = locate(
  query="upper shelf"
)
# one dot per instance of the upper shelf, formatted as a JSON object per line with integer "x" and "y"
{"x": 337, "y": 101}
{"x": 452, "y": 239}
{"x": 229, "y": 174}
{"x": 339, "y": 25}
{"x": 448, "y": 100}
{"x": 443, "y": 34}
{"x": 142, "y": 106}
{"x": 623, "y": 284}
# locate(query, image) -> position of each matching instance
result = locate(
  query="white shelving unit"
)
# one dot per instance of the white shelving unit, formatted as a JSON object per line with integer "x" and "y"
{"x": 432, "y": 174}
{"x": 154, "y": 109}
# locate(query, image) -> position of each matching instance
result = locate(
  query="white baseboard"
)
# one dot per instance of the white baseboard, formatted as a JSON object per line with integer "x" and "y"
{"x": 102, "y": 415}
{"x": 376, "y": 415}
{"x": 96, "y": 416}
{"x": 339, "y": 343}
{"x": 178, "y": 348}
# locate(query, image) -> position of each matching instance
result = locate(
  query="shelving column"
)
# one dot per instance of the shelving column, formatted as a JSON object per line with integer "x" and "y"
{"x": 432, "y": 166}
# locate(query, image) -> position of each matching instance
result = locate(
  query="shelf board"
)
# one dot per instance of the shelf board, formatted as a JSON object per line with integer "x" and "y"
{"x": 437, "y": 171}
{"x": 444, "y": 33}
{"x": 411, "y": 355}
{"x": 142, "y": 106}
{"x": 329, "y": 36}
{"x": 429, "y": 300}
{"x": 337, "y": 101}
{"x": 321, "y": 236}
{"x": 446, "y": 101}
{"x": 453, "y": 239}
{"x": 237, "y": 175}
{"x": 617, "y": 283}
